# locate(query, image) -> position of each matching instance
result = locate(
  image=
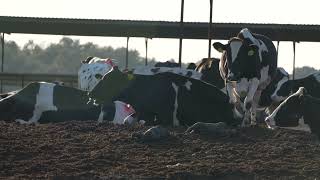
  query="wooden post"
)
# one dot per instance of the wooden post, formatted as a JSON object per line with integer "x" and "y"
{"x": 181, "y": 32}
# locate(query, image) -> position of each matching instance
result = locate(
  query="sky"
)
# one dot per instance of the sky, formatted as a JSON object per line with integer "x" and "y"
{"x": 227, "y": 11}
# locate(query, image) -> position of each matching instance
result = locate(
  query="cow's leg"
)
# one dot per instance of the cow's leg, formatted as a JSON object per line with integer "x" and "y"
{"x": 232, "y": 97}
{"x": 255, "y": 102}
{"x": 44, "y": 102}
{"x": 248, "y": 102}
{"x": 34, "y": 119}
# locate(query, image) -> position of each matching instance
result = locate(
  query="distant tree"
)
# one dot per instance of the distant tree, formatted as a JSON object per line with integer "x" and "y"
{"x": 63, "y": 57}
{"x": 304, "y": 71}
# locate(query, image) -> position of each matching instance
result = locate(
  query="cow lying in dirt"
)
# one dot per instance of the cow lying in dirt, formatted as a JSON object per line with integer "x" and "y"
{"x": 299, "y": 111}
{"x": 42, "y": 102}
{"x": 165, "y": 98}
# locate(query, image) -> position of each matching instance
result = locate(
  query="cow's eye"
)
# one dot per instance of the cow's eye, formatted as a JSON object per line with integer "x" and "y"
{"x": 98, "y": 76}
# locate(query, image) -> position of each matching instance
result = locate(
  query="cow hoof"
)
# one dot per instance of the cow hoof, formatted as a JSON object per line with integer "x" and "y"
{"x": 219, "y": 128}
{"x": 253, "y": 123}
{"x": 153, "y": 134}
{"x": 20, "y": 121}
{"x": 245, "y": 123}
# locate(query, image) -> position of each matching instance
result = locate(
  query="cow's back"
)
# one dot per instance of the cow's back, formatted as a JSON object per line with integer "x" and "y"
{"x": 269, "y": 58}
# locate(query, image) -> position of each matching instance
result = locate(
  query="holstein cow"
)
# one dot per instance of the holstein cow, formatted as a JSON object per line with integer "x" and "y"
{"x": 93, "y": 68}
{"x": 311, "y": 83}
{"x": 270, "y": 97}
{"x": 299, "y": 111}
{"x": 248, "y": 64}
{"x": 91, "y": 71}
{"x": 42, "y": 102}
{"x": 168, "y": 98}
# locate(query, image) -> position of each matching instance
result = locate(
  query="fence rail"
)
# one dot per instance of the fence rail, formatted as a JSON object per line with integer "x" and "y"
{"x": 14, "y": 81}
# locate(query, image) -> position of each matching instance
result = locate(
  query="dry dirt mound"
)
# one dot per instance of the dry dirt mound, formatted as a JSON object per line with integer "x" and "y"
{"x": 85, "y": 150}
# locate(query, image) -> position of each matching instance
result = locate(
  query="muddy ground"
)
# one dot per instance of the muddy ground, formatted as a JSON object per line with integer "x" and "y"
{"x": 85, "y": 150}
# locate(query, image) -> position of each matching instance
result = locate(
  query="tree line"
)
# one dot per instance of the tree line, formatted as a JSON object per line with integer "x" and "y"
{"x": 65, "y": 57}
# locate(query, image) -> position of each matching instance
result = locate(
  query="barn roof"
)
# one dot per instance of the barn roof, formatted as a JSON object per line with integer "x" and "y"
{"x": 153, "y": 29}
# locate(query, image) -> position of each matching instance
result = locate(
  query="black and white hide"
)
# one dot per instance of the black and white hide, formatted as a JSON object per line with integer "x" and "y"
{"x": 248, "y": 64}
{"x": 165, "y": 98}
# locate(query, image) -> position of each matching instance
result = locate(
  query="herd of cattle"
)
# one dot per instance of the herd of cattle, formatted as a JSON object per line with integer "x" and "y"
{"x": 234, "y": 89}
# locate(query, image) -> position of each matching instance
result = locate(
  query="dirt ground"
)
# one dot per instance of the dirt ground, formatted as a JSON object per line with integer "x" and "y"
{"x": 85, "y": 150}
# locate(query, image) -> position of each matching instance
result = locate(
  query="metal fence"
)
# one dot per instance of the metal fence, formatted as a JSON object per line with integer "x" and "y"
{"x": 14, "y": 81}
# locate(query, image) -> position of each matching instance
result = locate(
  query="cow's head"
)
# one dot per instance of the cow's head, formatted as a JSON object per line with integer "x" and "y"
{"x": 91, "y": 71}
{"x": 281, "y": 83}
{"x": 288, "y": 113}
{"x": 241, "y": 58}
{"x": 110, "y": 85}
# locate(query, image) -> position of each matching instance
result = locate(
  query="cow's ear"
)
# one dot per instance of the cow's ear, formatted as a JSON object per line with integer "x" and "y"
{"x": 87, "y": 60}
{"x": 219, "y": 46}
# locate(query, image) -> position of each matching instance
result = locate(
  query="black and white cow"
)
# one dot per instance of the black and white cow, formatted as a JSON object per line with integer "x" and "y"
{"x": 248, "y": 64}
{"x": 299, "y": 111}
{"x": 42, "y": 102}
{"x": 311, "y": 83}
{"x": 270, "y": 97}
{"x": 169, "y": 98}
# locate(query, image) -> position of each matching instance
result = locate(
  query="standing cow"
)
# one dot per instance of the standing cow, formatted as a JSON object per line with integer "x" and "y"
{"x": 248, "y": 64}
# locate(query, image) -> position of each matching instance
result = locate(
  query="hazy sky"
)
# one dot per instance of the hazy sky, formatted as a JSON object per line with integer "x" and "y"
{"x": 250, "y": 11}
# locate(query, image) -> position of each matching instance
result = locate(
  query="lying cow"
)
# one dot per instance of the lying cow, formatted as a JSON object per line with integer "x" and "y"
{"x": 311, "y": 82}
{"x": 299, "y": 110}
{"x": 270, "y": 96}
{"x": 42, "y": 102}
{"x": 248, "y": 64}
{"x": 168, "y": 98}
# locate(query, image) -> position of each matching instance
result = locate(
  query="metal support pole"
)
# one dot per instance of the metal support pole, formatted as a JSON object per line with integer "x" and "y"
{"x": 278, "y": 43}
{"x": 2, "y": 60}
{"x": 210, "y": 30}
{"x": 146, "y": 61}
{"x": 181, "y": 32}
{"x": 127, "y": 53}
{"x": 294, "y": 60}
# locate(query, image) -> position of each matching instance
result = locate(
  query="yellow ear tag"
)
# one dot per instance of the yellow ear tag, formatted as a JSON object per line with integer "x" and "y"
{"x": 220, "y": 49}
{"x": 250, "y": 53}
{"x": 130, "y": 77}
